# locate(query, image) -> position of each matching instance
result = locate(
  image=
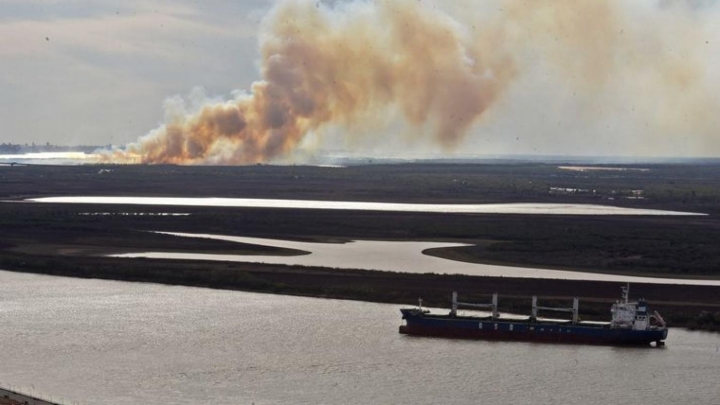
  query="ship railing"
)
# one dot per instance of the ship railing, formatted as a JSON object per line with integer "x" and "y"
{"x": 574, "y": 310}
{"x": 660, "y": 319}
{"x": 493, "y": 305}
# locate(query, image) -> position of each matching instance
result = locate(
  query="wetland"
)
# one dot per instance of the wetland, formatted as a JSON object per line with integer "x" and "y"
{"x": 69, "y": 239}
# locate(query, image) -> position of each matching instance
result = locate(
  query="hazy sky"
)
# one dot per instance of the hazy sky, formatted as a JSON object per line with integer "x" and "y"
{"x": 638, "y": 78}
{"x": 98, "y": 71}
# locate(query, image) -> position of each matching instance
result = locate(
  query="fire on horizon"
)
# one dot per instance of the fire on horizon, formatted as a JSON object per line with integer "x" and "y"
{"x": 363, "y": 66}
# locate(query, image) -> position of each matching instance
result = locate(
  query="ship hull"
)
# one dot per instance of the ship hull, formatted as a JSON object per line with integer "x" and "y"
{"x": 421, "y": 324}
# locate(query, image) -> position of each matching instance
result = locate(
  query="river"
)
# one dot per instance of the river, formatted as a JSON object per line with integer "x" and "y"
{"x": 117, "y": 343}
{"x": 507, "y": 208}
{"x": 403, "y": 257}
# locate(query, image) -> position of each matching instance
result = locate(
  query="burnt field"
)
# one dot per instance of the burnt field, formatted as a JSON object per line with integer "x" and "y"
{"x": 65, "y": 239}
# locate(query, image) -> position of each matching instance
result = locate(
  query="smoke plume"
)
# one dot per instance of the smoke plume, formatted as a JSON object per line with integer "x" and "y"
{"x": 351, "y": 64}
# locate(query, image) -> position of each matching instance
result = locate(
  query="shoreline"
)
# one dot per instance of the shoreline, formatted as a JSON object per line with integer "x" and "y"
{"x": 678, "y": 304}
{"x": 13, "y": 397}
{"x": 449, "y": 253}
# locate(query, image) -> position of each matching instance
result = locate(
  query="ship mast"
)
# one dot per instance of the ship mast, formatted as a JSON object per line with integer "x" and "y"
{"x": 626, "y": 293}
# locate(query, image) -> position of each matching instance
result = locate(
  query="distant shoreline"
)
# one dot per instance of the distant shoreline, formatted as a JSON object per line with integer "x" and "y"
{"x": 678, "y": 304}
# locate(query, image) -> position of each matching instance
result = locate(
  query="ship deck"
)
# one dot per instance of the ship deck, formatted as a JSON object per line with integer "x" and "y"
{"x": 518, "y": 320}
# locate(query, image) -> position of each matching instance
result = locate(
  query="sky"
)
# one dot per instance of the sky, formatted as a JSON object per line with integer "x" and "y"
{"x": 90, "y": 72}
{"x": 596, "y": 78}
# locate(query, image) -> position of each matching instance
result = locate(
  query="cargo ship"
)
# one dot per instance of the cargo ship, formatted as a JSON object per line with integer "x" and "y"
{"x": 631, "y": 324}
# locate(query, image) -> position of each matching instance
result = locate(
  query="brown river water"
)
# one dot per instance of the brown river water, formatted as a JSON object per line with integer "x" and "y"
{"x": 119, "y": 343}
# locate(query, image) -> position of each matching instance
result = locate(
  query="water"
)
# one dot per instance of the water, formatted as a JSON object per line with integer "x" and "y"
{"x": 57, "y": 158}
{"x": 115, "y": 343}
{"x": 603, "y": 169}
{"x": 511, "y": 208}
{"x": 404, "y": 257}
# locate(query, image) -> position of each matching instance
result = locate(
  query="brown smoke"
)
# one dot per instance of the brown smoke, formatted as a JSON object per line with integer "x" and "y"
{"x": 344, "y": 65}
{"x": 648, "y": 60}
{"x": 323, "y": 66}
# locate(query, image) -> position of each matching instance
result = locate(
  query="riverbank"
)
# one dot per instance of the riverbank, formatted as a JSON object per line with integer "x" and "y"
{"x": 10, "y": 397}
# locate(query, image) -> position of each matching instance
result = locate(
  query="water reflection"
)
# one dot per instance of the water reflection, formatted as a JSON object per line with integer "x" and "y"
{"x": 513, "y": 208}
{"x": 404, "y": 257}
{"x": 47, "y": 156}
{"x": 44, "y": 158}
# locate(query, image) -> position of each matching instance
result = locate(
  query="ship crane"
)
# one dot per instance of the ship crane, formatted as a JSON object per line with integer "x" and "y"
{"x": 574, "y": 310}
{"x": 493, "y": 305}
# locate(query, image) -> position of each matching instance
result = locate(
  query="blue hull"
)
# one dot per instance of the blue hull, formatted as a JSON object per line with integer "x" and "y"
{"x": 423, "y": 324}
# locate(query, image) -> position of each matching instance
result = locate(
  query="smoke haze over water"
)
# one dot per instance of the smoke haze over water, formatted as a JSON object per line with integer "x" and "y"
{"x": 440, "y": 71}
